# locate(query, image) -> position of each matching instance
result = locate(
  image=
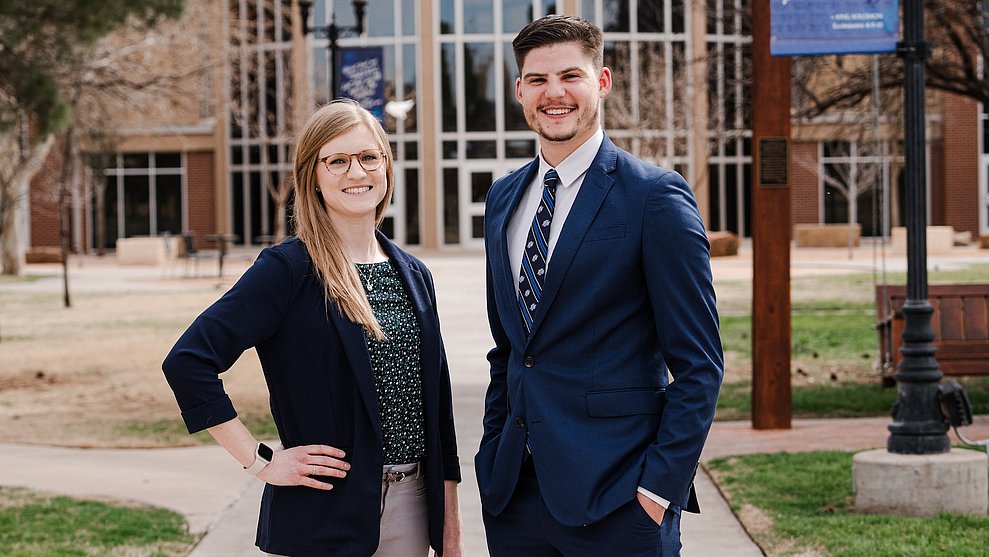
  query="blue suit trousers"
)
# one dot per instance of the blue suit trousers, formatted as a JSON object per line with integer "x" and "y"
{"x": 526, "y": 528}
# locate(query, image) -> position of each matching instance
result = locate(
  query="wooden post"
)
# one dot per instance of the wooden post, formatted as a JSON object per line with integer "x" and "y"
{"x": 771, "y": 229}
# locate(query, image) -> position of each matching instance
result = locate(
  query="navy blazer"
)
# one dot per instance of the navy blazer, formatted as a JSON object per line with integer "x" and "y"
{"x": 628, "y": 297}
{"x": 322, "y": 391}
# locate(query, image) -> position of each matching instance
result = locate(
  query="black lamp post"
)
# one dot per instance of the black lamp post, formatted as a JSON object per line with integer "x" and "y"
{"x": 918, "y": 426}
{"x": 333, "y": 32}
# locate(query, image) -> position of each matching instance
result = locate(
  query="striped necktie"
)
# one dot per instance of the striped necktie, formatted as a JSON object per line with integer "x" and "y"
{"x": 533, "y": 270}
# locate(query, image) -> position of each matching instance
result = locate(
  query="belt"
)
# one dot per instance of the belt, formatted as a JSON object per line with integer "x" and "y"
{"x": 395, "y": 473}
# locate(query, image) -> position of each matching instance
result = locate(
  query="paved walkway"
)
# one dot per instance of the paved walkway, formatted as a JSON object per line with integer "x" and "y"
{"x": 206, "y": 486}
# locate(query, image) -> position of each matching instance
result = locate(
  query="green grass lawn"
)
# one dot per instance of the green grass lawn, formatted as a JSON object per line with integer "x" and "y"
{"x": 839, "y": 400}
{"x": 802, "y": 504}
{"x": 38, "y": 525}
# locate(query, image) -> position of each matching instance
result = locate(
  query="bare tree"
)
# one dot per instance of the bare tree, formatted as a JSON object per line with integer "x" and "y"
{"x": 957, "y": 33}
{"x": 39, "y": 41}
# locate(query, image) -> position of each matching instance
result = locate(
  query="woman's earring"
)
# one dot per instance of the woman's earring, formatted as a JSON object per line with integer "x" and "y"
{"x": 317, "y": 190}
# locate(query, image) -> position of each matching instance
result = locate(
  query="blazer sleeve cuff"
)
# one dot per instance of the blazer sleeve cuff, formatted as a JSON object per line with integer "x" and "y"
{"x": 451, "y": 469}
{"x": 210, "y": 414}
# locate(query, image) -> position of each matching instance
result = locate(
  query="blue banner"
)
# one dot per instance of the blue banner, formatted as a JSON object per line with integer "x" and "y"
{"x": 833, "y": 26}
{"x": 361, "y": 75}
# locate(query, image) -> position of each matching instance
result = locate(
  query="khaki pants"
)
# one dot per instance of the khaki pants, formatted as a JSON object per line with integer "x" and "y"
{"x": 404, "y": 516}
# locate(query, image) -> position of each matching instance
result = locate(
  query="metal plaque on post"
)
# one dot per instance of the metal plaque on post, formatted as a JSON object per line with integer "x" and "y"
{"x": 774, "y": 162}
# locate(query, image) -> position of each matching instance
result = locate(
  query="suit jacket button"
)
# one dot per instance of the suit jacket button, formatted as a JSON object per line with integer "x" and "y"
{"x": 529, "y": 361}
{"x": 519, "y": 422}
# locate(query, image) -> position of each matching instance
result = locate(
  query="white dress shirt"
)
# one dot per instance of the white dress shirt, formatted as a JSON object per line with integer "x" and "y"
{"x": 571, "y": 171}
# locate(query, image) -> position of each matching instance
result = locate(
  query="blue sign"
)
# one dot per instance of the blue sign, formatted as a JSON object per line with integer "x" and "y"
{"x": 833, "y": 26}
{"x": 361, "y": 75}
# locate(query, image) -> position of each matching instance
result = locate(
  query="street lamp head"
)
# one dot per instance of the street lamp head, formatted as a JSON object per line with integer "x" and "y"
{"x": 359, "y": 7}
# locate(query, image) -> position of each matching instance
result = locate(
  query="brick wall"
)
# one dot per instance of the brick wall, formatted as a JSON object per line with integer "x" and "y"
{"x": 804, "y": 200}
{"x": 959, "y": 199}
{"x": 201, "y": 200}
{"x": 43, "y": 201}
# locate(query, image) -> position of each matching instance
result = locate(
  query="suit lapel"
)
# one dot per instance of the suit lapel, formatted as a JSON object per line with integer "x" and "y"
{"x": 595, "y": 187}
{"x": 355, "y": 346}
{"x": 505, "y": 276}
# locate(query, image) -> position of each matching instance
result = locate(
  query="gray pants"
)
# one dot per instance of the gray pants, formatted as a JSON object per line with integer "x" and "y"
{"x": 404, "y": 516}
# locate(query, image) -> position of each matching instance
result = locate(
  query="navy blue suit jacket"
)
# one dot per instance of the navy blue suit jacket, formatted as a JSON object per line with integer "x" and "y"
{"x": 322, "y": 391}
{"x": 627, "y": 298}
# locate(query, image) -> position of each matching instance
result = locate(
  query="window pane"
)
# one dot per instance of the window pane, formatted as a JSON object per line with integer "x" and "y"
{"x": 168, "y": 200}
{"x": 451, "y": 206}
{"x": 520, "y": 149}
{"x": 615, "y": 15}
{"x": 168, "y": 160}
{"x": 477, "y": 226}
{"x": 449, "y": 149}
{"x": 479, "y": 184}
{"x": 587, "y": 11}
{"x": 515, "y": 14}
{"x": 409, "y": 15}
{"x": 387, "y": 226}
{"x": 109, "y": 215}
{"x": 479, "y": 86}
{"x": 412, "y": 206}
{"x": 344, "y": 12}
{"x": 617, "y": 107}
{"x": 136, "y": 160}
{"x": 481, "y": 150}
{"x": 381, "y": 18}
{"x": 446, "y": 17}
{"x": 409, "y": 86}
{"x": 679, "y": 18}
{"x": 448, "y": 62}
{"x": 514, "y": 116}
{"x": 478, "y": 16}
{"x": 137, "y": 206}
{"x": 651, "y": 16}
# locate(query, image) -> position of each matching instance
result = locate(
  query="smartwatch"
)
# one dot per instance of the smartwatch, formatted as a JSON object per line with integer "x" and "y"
{"x": 262, "y": 456}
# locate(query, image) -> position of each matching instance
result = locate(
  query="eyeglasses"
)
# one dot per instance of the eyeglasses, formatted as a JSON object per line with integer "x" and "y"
{"x": 339, "y": 163}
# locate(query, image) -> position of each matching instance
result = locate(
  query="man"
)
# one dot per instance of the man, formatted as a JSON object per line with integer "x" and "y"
{"x": 598, "y": 286}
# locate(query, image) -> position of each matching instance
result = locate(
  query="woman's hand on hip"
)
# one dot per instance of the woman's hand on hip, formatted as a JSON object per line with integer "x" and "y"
{"x": 298, "y": 465}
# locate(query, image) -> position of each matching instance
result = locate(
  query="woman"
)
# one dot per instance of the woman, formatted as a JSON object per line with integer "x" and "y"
{"x": 346, "y": 328}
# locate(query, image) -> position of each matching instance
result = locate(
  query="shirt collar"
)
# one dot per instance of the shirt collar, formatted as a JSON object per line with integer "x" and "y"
{"x": 575, "y": 165}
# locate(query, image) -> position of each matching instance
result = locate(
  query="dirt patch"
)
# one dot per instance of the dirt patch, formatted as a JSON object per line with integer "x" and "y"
{"x": 82, "y": 376}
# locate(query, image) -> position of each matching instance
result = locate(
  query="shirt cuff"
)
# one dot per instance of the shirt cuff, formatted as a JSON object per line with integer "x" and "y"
{"x": 656, "y": 498}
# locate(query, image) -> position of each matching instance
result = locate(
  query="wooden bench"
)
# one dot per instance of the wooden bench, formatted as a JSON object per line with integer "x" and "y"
{"x": 960, "y": 322}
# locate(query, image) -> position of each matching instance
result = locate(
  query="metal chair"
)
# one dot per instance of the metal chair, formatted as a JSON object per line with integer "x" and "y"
{"x": 194, "y": 254}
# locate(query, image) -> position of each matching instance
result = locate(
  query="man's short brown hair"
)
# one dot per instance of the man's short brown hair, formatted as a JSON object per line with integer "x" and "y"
{"x": 555, "y": 29}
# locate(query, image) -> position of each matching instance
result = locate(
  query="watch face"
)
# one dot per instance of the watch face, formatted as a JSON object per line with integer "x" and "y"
{"x": 265, "y": 452}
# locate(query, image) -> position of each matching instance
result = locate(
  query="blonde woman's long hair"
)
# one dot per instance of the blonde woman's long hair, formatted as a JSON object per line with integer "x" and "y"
{"x": 313, "y": 224}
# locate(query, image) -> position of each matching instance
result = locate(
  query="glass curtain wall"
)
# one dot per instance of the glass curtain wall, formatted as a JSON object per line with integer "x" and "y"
{"x": 729, "y": 43}
{"x": 647, "y": 48}
{"x": 391, "y": 25}
{"x": 259, "y": 133}
{"x": 482, "y": 131}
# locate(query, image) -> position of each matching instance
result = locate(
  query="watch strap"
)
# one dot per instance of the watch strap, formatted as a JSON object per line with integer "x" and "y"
{"x": 259, "y": 461}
